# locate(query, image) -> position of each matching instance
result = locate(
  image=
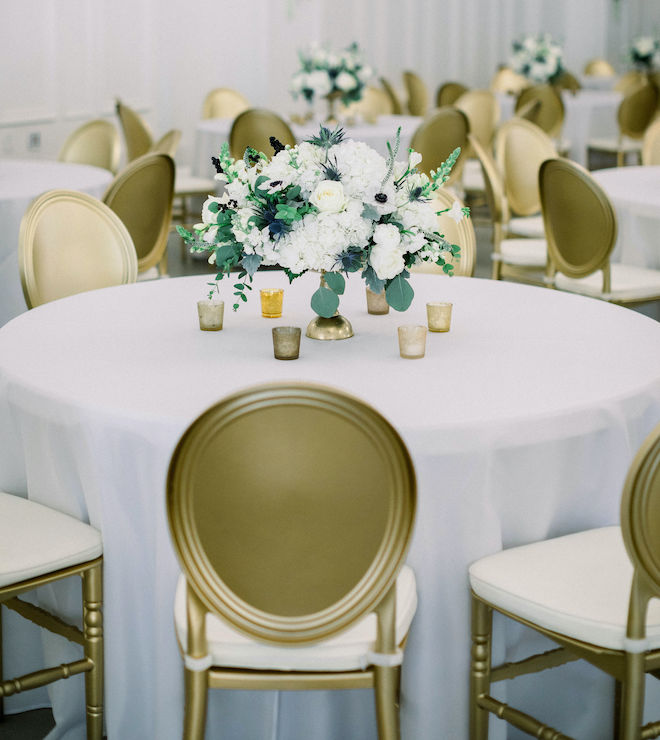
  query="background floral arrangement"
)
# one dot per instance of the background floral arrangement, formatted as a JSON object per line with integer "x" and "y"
{"x": 644, "y": 53}
{"x": 324, "y": 72}
{"x": 538, "y": 58}
{"x": 327, "y": 204}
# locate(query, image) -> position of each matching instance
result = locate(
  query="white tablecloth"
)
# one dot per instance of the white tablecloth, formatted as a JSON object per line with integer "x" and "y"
{"x": 521, "y": 422}
{"x": 212, "y": 133}
{"x": 588, "y": 114}
{"x": 21, "y": 181}
{"x": 635, "y": 195}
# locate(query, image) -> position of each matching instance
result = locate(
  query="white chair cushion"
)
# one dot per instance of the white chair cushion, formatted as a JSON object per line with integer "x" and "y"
{"x": 473, "y": 178}
{"x": 150, "y": 274}
{"x": 346, "y": 652}
{"x": 185, "y": 184}
{"x": 525, "y": 252}
{"x": 614, "y": 144}
{"x": 577, "y": 585}
{"x": 527, "y": 226}
{"x": 628, "y": 283}
{"x": 35, "y": 540}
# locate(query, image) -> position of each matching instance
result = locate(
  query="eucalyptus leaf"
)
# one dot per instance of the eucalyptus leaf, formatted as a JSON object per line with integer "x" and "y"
{"x": 224, "y": 253}
{"x": 374, "y": 283}
{"x": 335, "y": 281}
{"x": 251, "y": 263}
{"x": 325, "y": 302}
{"x": 369, "y": 211}
{"x": 399, "y": 293}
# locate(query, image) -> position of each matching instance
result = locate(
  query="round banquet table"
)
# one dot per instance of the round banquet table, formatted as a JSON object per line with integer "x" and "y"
{"x": 21, "y": 181}
{"x": 521, "y": 422}
{"x": 635, "y": 195}
{"x": 210, "y": 135}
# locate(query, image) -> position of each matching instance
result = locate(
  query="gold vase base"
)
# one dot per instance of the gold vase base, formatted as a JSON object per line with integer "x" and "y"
{"x": 336, "y": 327}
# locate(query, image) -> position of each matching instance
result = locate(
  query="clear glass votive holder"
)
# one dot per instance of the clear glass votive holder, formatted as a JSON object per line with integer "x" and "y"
{"x": 412, "y": 341}
{"x": 271, "y": 302}
{"x": 377, "y": 303}
{"x": 439, "y": 316}
{"x": 286, "y": 342}
{"x": 210, "y": 314}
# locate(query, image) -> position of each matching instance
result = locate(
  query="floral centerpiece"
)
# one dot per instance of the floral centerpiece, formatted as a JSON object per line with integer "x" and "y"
{"x": 644, "y": 53}
{"x": 538, "y": 58}
{"x": 327, "y": 204}
{"x": 327, "y": 74}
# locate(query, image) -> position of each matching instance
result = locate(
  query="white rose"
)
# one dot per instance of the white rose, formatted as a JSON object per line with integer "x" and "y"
{"x": 319, "y": 82}
{"x": 387, "y": 262}
{"x": 345, "y": 81}
{"x": 329, "y": 196}
{"x": 645, "y": 45}
{"x": 387, "y": 236}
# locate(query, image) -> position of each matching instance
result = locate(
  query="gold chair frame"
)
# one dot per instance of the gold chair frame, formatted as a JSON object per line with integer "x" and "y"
{"x": 507, "y": 81}
{"x": 225, "y": 570}
{"x": 137, "y": 134}
{"x": 167, "y": 144}
{"x": 254, "y": 127}
{"x": 449, "y": 92}
{"x": 96, "y": 143}
{"x": 598, "y": 68}
{"x": 223, "y": 102}
{"x": 417, "y": 92}
{"x": 651, "y": 144}
{"x": 437, "y": 137}
{"x": 373, "y": 103}
{"x": 141, "y": 195}
{"x": 640, "y": 509}
{"x": 483, "y": 113}
{"x": 58, "y": 229}
{"x": 397, "y": 107}
{"x": 549, "y": 114}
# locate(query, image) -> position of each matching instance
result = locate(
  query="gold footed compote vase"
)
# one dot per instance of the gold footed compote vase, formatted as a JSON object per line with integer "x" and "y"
{"x": 332, "y": 99}
{"x": 332, "y": 328}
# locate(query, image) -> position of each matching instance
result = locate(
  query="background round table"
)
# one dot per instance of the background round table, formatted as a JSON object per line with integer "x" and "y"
{"x": 21, "y": 181}
{"x": 521, "y": 422}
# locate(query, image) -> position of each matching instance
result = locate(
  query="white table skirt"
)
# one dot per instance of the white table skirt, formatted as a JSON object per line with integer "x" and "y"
{"x": 21, "y": 181}
{"x": 521, "y": 422}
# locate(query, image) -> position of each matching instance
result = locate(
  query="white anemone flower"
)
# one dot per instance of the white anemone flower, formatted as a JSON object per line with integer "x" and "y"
{"x": 456, "y": 212}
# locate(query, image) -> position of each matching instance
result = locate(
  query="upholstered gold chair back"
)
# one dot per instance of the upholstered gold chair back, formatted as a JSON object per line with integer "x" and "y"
{"x": 224, "y": 102}
{"x": 300, "y": 545}
{"x": 397, "y": 107}
{"x": 254, "y": 127}
{"x": 549, "y": 115}
{"x": 167, "y": 144}
{"x": 494, "y": 186}
{"x": 137, "y": 134}
{"x": 373, "y": 103}
{"x": 70, "y": 242}
{"x": 630, "y": 80}
{"x": 507, "y": 81}
{"x": 483, "y": 113}
{"x": 520, "y": 148}
{"x": 598, "y": 68}
{"x": 579, "y": 220}
{"x": 141, "y": 195}
{"x": 636, "y": 111}
{"x": 651, "y": 144}
{"x": 417, "y": 92}
{"x": 448, "y": 93}
{"x": 568, "y": 81}
{"x": 437, "y": 137}
{"x": 461, "y": 233}
{"x": 96, "y": 143}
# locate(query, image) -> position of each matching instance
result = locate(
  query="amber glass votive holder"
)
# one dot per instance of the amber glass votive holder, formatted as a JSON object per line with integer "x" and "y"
{"x": 286, "y": 342}
{"x": 439, "y": 316}
{"x": 210, "y": 314}
{"x": 412, "y": 341}
{"x": 271, "y": 302}
{"x": 377, "y": 303}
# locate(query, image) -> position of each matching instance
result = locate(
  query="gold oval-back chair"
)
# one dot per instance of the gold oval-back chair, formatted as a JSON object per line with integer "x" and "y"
{"x": 568, "y": 81}
{"x": 96, "y": 143}
{"x": 598, "y": 68}
{"x": 437, "y": 137}
{"x": 373, "y": 103}
{"x": 254, "y": 127}
{"x": 651, "y": 144}
{"x": 581, "y": 228}
{"x": 224, "y": 102}
{"x": 397, "y": 107}
{"x": 461, "y": 233}
{"x": 630, "y": 80}
{"x": 70, "y": 242}
{"x": 137, "y": 134}
{"x": 549, "y": 114}
{"x": 141, "y": 195}
{"x": 449, "y": 92}
{"x": 520, "y": 148}
{"x": 292, "y": 551}
{"x": 417, "y": 92}
{"x": 483, "y": 113}
{"x": 506, "y": 80}
{"x": 167, "y": 144}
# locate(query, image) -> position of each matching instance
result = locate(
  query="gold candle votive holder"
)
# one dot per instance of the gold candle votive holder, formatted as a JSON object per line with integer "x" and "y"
{"x": 439, "y": 316}
{"x": 377, "y": 303}
{"x": 210, "y": 314}
{"x": 271, "y": 302}
{"x": 412, "y": 341}
{"x": 286, "y": 342}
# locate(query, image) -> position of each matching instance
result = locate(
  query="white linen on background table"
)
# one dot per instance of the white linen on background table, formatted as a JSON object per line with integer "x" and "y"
{"x": 21, "y": 181}
{"x": 521, "y": 422}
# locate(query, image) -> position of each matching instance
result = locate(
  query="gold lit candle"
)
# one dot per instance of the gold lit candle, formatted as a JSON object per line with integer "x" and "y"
{"x": 210, "y": 314}
{"x": 377, "y": 303}
{"x": 439, "y": 316}
{"x": 412, "y": 342}
{"x": 286, "y": 342}
{"x": 271, "y": 302}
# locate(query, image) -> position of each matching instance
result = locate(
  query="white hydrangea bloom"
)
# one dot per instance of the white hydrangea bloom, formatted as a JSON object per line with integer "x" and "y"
{"x": 359, "y": 165}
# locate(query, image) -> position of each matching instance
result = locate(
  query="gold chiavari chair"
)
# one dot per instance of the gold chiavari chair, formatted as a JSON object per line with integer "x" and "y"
{"x": 581, "y": 228}
{"x": 224, "y": 102}
{"x": 141, "y": 195}
{"x": 651, "y": 144}
{"x": 293, "y": 570}
{"x": 449, "y": 92}
{"x": 417, "y": 92}
{"x": 397, "y": 107}
{"x": 254, "y": 127}
{"x": 437, "y": 137}
{"x": 96, "y": 143}
{"x": 137, "y": 134}
{"x": 70, "y": 242}
{"x": 39, "y": 546}
{"x": 598, "y": 68}
{"x": 593, "y": 593}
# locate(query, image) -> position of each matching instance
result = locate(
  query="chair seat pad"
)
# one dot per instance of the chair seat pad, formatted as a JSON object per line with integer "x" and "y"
{"x": 473, "y": 179}
{"x": 628, "y": 283}
{"x": 526, "y": 252}
{"x": 577, "y": 585}
{"x": 614, "y": 144}
{"x": 185, "y": 184}
{"x": 345, "y": 652}
{"x": 527, "y": 226}
{"x": 36, "y": 539}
